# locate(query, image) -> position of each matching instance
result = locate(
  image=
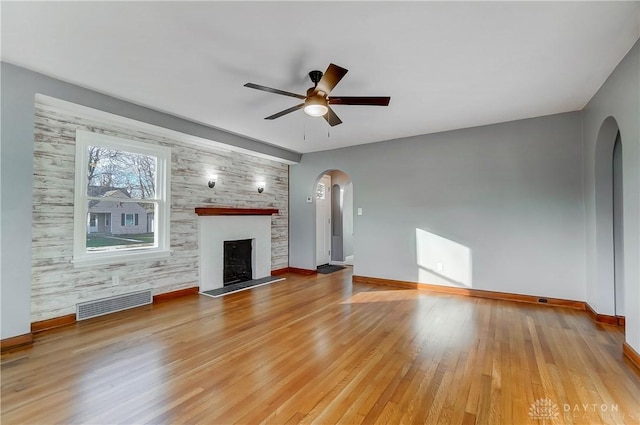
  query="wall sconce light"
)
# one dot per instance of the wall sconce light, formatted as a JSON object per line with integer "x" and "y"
{"x": 261, "y": 187}
{"x": 212, "y": 182}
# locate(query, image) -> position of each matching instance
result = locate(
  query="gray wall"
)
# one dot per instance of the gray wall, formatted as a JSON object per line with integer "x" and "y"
{"x": 511, "y": 193}
{"x": 618, "y": 99}
{"x": 19, "y": 87}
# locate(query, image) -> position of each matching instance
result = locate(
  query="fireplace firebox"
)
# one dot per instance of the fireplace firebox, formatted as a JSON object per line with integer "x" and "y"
{"x": 237, "y": 261}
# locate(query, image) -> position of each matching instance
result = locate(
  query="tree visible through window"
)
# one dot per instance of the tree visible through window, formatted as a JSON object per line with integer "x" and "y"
{"x": 128, "y": 181}
{"x": 128, "y": 171}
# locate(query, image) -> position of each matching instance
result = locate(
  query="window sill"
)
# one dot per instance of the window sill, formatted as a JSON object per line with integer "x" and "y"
{"x": 119, "y": 258}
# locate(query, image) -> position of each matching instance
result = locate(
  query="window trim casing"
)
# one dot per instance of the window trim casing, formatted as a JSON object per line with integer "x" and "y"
{"x": 162, "y": 199}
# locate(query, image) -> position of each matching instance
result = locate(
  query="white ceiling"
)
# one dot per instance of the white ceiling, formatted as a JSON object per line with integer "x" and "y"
{"x": 446, "y": 65}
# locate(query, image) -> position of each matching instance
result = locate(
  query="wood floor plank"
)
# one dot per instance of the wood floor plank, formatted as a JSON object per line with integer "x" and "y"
{"x": 319, "y": 349}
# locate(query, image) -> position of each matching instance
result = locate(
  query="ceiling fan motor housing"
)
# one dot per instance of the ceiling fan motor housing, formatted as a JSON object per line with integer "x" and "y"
{"x": 316, "y": 103}
{"x": 311, "y": 92}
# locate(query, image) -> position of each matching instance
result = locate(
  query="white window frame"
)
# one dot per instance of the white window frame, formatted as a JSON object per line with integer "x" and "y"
{"x": 161, "y": 224}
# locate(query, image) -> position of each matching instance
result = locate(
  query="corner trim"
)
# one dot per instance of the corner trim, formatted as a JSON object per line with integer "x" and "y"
{"x": 56, "y": 322}
{"x": 279, "y": 272}
{"x": 167, "y": 296}
{"x": 505, "y": 296}
{"x": 631, "y": 354}
{"x": 304, "y": 272}
{"x": 600, "y": 318}
{"x": 16, "y": 341}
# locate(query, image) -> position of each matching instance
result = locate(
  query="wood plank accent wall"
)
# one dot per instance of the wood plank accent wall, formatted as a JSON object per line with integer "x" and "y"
{"x": 57, "y": 286}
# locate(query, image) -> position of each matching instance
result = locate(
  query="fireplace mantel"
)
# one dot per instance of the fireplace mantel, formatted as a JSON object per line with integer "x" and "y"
{"x": 206, "y": 211}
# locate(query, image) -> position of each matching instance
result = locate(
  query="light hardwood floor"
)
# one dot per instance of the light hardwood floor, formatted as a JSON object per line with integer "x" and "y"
{"x": 324, "y": 350}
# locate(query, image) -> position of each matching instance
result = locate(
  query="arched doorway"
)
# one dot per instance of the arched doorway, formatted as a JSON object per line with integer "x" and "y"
{"x": 334, "y": 218}
{"x": 609, "y": 218}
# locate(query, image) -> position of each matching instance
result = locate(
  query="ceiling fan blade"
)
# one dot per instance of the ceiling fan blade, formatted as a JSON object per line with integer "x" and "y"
{"x": 285, "y": 112}
{"x": 357, "y": 100}
{"x": 332, "y": 118}
{"x": 276, "y": 91}
{"x": 331, "y": 78}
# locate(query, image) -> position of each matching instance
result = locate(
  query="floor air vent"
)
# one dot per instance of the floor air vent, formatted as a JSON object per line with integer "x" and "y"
{"x": 104, "y": 306}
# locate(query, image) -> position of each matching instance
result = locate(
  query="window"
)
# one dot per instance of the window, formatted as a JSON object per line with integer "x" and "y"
{"x": 129, "y": 220}
{"x": 130, "y": 181}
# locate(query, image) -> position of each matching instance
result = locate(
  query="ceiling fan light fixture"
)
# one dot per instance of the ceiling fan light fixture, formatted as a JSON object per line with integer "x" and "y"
{"x": 315, "y": 110}
{"x": 316, "y": 106}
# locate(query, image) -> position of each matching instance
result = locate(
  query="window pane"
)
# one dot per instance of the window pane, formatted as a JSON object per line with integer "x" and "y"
{"x": 320, "y": 191}
{"x": 128, "y": 221}
{"x": 120, "y": 225}
{"x": 119, "y": 173}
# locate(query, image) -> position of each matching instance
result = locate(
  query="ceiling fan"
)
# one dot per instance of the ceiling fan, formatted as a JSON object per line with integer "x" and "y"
{"x": 316, "y": 102}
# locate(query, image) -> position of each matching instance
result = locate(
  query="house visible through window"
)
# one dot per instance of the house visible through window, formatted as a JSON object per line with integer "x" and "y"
{"x": 125, "y": 180}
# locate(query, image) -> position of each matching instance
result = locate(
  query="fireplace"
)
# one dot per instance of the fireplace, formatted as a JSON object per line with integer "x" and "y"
{"x": 237, "y": 262}
{"x": 218, "y": 225}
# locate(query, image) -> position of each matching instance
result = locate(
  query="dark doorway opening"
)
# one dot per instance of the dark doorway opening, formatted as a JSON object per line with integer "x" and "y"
{"x": 237, "y": 262}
